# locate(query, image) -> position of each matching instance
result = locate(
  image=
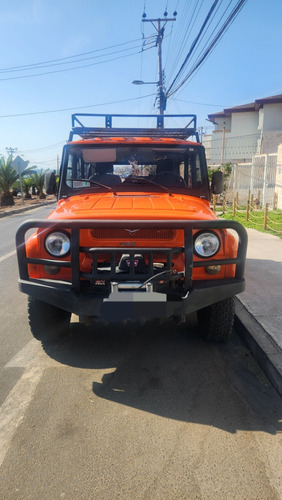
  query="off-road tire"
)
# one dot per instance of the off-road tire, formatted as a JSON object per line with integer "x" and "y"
{"x": 215, "y": 322}
{"x": 47, "y": 322}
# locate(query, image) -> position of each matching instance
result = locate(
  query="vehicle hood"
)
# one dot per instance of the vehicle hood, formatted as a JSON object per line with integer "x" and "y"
{"x": 133, "y": 206}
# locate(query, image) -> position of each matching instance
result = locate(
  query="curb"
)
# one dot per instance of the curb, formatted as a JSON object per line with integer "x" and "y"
{"x": 25, "y": 209}
{"x": 267, "y": 353}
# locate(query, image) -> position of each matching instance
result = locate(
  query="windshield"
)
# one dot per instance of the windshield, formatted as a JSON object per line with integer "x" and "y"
{"x": 126, "y": 168}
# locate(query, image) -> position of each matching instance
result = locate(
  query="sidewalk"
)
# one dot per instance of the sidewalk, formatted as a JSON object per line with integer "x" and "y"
{"x": 259, "y": 307}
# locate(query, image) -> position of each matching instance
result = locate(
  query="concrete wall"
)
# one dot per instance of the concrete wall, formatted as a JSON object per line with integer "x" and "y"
{"x": 244, "y": 123}
{"x": 221, "y": 122}
{"x": 236, "y": 148}
{"x": 207, "y": 143}
{"x": 270, "y": 141}
{"x": 271, "y": 117}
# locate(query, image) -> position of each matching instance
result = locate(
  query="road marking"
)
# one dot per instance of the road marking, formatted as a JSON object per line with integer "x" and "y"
{"x": 4, "y": 257}
{"x": 26, "y": 356}
{"x": 14, "y": 407}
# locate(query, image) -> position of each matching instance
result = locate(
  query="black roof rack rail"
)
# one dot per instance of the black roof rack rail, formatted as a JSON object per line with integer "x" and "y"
{"x": 109, "y": 131}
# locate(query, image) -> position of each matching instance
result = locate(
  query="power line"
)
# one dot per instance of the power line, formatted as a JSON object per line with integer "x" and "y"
{"x": 215, "y": 28}
{"x": 216, "y": 39}
{"x": 194, "y": 44}
{"x": 200, "y": 103}
{"x": 70, "y": 62}
{"x": 44, "y": 148}
{"x": 75, "y": 108}
{"x": 188, "y": 26}
{"x": 70, "y": 69}
{"x": 33, "y": 65}
{"x": 188, "y": 35}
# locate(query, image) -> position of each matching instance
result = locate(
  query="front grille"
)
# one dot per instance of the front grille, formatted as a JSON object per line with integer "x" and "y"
{"x": 138, "y": 234}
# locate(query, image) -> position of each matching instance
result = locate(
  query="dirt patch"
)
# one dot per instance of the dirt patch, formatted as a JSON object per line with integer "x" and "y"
{"x": 33, "y": 202}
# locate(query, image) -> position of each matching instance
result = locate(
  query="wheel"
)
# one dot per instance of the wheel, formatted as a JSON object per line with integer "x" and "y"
{"x": 47, "y": 322}
{"x": 215, "y": 322}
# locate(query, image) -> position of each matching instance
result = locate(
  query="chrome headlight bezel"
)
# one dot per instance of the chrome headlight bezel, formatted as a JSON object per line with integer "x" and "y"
{"x": 214, "y": 238}
{"x": 62, "y": 250}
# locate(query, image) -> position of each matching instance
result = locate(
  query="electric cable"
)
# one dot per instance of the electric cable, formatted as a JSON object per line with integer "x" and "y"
{"x": 71, "y": 62}
{"x": 70, "y": 69}
{"x": 194, "y": 42}
{"x": 188, "y": 28}
{"x": 214, "y": 29}
{"x": 200, "y": 103}
{"x": 75, "y": 108}
{"x": 32, "y": 65}
{"x": 212, "y": 45}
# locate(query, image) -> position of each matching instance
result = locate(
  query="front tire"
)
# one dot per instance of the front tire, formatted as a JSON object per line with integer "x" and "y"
{"x": 47, "y": 322}
{"x": 215, "y": 322}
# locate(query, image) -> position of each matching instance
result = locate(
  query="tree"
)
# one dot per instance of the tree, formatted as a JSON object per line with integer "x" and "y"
{"x": 38, "y": 181}
{"x": 8, "y": 177}
{"x": 27, "y": 185}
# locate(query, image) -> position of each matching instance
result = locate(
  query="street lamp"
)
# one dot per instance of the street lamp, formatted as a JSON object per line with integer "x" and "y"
{"x": 140, "y": 82}
{"x": 161, "y": 95}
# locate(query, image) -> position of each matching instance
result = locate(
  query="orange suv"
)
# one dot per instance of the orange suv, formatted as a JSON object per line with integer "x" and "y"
{"x": 133, "y": 236}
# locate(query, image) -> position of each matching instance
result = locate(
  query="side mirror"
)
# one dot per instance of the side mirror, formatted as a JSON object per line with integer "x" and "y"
{"x": 217, "y": 182}
{"x": 50, "y": 182}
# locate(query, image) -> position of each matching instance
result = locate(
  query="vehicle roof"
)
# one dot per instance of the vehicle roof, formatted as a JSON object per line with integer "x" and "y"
{"x": 132, "y": 135}
{"x": 134, "y": 141}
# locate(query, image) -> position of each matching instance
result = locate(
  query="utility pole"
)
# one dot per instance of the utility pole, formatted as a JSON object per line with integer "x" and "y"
{"x": 160, "y": 28}
{"x": 201, "y": 133}
{"x": 11, "y": 151}
{"x": 223, "y": 144}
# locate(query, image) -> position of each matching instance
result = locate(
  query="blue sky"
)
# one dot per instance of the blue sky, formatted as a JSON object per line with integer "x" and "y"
{"x": 245, "y": 65}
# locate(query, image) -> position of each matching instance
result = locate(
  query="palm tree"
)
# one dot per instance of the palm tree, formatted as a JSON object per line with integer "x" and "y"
{"x": 27, "y": 184}
{"x": 38, "y": 181}
{"x": 8, "y": 177}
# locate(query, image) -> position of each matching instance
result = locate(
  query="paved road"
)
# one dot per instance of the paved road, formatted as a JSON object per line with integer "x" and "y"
{"x": 130, "y": 413}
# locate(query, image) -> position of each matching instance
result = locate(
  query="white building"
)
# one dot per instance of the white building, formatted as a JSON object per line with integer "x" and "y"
{"x": 243, "y": 131}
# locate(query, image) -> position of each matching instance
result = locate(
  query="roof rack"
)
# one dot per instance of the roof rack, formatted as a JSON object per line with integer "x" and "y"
{"x": 109, "y": 131}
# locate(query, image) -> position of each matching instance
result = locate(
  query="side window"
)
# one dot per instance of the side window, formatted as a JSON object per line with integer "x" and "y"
{"x": 182, "y": 169}
{"x": 71, "y": 169}
{"x": 185, "y": 170}
{"x": 75, "y": 169}
{"x": 198, "y": 172}
{"x": 191, "y": 170}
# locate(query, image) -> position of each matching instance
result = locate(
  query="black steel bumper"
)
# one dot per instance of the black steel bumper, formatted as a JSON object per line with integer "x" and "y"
{"x": 131, "y": 304}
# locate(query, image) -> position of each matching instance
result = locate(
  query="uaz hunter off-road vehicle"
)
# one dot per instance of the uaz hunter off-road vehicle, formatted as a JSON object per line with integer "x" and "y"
{"x": 133, "y": 236}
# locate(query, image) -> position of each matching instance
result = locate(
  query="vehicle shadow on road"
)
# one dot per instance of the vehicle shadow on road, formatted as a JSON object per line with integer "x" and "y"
{"x": 169, "y": 371}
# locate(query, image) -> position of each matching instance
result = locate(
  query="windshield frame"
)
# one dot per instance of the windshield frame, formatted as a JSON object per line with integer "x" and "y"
{"x": 202, "y": 191}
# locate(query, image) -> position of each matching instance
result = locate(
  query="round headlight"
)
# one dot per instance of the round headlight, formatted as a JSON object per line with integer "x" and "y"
{"x": 206, "y": 244}
{"x": 57, "y": 244}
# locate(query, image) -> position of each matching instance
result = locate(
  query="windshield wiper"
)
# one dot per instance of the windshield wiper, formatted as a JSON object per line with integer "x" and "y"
{"x": 94, "y": 182}
{"x": 141, "y": 180}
